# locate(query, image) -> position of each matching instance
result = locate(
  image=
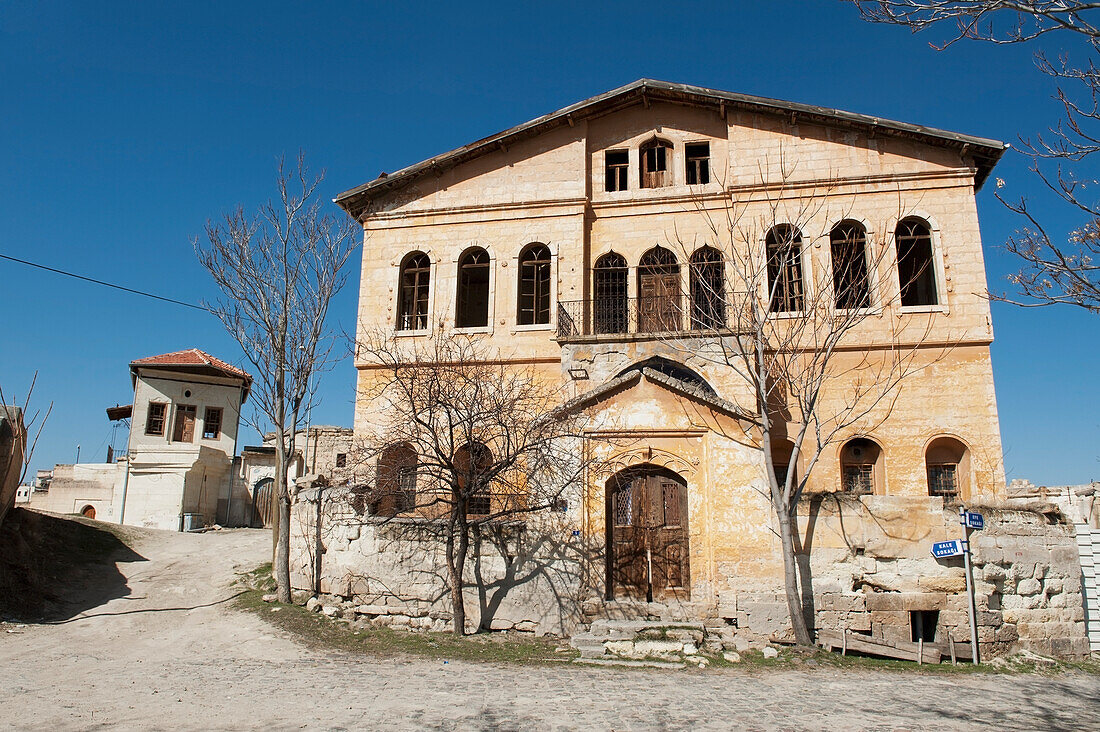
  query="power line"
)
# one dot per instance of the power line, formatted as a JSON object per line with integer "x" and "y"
{"x": 105, "y": 284}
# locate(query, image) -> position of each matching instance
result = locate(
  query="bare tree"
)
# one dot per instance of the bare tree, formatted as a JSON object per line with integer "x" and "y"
{"x": 468, "y": 444}
{"x": 1052, "y": 272}
{"x": 806, "y": 340}
{"x": 278, "y": 270}
{"x": 16, "y": 440}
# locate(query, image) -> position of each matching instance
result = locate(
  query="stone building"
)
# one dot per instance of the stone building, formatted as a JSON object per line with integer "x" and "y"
{"x": 574, "y": 244}
{"x": 175, "y": 472}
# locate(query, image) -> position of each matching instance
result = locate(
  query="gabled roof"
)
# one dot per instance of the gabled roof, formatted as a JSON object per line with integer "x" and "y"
{"x": 986, "y": 152}
{"x": 679, "y": 386}
{"x": 192, "y": 360}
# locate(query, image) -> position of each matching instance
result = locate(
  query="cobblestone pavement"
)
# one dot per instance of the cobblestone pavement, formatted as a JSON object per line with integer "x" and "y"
{"x": 170, "y": 656}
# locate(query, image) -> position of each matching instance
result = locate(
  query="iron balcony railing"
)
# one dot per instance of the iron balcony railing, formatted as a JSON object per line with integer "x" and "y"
{"x": 640, "y": 315}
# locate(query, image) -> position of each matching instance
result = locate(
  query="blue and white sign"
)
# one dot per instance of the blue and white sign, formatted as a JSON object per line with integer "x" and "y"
{"x": 945, "y": 549}
{"x": 974, "y": 520}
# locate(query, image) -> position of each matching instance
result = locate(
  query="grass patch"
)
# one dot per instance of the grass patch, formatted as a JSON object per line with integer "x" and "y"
{"x": 318, "y": 631}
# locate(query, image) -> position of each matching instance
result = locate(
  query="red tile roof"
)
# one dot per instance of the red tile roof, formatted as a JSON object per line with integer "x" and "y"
{"x": 192, "y": 357}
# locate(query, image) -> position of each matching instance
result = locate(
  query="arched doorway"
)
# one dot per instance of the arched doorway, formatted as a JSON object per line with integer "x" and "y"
{"x": 647, "y": 534}
{"x": 88, "y": 512}
{"x": 263, "y": 504}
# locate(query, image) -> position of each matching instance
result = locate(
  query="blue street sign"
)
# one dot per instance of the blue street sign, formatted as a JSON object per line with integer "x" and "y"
{"x": 975, "y": 520}
{"x": 945, "y": 549}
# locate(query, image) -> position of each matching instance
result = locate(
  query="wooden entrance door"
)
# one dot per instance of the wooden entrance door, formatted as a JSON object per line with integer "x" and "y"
{"x": 263, "y": 504}
{"x": 647, "y": 535}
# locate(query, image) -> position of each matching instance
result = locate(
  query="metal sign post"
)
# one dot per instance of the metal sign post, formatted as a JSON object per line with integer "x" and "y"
{"x": 967, "y": 520}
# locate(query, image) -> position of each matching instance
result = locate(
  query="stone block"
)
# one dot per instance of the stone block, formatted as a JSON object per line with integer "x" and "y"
{"x": 942, "y": 584}
{"x": 993, "y": 573}
{"x": 1028, "y": 587}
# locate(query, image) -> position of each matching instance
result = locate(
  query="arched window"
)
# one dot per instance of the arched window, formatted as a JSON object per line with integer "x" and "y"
{"x": 609, "y": 294}
{"x": 784, "y": 251}
{"x": 472, "y": 308}
{"x": 948, "y": 464}
{"x": 412, "y": 302}
{"x": 395, "y": 485}
{"x": 916, "y": 271}
{"x": 782, "y": 450}
{"x": 534, "y": 285}
{"x": 658, "y": 292}
{"x": 656, "y": 163}
{"x": 861, "y": 471}
{"x": 848, "y": 247}
{"x": 708, "y": 289}
{"x": 471, "y": 461}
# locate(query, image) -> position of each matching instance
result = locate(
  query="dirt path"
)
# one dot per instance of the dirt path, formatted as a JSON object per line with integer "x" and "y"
{"x": 173, "y": 655}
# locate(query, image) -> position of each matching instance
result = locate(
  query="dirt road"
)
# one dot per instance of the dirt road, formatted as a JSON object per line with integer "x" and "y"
{"x": 173, "y": 654}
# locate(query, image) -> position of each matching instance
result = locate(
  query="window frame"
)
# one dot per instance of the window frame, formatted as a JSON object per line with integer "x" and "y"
{"x": 692, "y": 167}
{"x": 542, "y": 269}
{"x": 464, "y": 289}
{"x": 163, "y": 418}
{"x": 661, "y": 175}
{"x": 935, "y": 267}
{"x": 621, "y": 171}
{"x": 414, "y": 320}
{"x": 207, "y": 411}
{"x": 862, "y": 299}
{"x": 792, "y": 270}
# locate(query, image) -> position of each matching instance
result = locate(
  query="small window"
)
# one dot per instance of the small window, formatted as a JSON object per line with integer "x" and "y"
{"x": 341, "y": 459}
{"x": 471, "y": 462}
{"x": 861, "y": 467}
{"x": 154, "y": 420}
{"x": 616, "y": 164}
{"x": 916, "y": 270}
{"x": 922, "y": 625}
{"x": 472, "y": 309}
{"x": 534, "y": 285}
{"x": 212, "y": 423}
{"x": 412, "y": 305}
{"x": 947, "y": 461}
{"x": 655, "y": 164}
{"x": 698, "y": 163}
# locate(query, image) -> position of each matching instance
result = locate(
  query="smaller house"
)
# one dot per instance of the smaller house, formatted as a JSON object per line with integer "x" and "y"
{"x": 177, "y": 469}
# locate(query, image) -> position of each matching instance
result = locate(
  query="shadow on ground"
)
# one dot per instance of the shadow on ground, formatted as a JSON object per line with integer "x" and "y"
{"x": 53, "y": 568}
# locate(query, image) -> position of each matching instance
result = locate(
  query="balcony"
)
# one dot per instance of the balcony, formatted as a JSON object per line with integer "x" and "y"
{"x": 639, "y": 317}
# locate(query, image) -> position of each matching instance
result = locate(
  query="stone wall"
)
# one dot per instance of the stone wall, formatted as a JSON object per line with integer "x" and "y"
{"x": 393, "y": 571}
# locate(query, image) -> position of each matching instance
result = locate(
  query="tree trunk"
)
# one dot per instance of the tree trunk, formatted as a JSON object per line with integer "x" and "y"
{"x": 456, "y": 562}
{"x": 790, "y": 580}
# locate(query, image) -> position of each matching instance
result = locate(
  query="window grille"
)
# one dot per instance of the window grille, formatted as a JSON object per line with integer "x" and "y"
{"x": 154, "y": 420}
{"x": 859, "y": 479}
{"x": 943, "y": 480}
{"x": 609, "y": 307}
{"x": 624, "y": 506}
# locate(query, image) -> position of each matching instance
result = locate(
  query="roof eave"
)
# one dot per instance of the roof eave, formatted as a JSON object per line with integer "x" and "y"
{"x": 669, "y": 91}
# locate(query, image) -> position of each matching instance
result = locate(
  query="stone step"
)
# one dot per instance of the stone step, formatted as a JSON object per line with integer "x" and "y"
{"x": 629, "y": 664}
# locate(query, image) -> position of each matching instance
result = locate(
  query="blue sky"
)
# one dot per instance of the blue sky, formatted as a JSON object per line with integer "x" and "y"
{"x": 126, "y": 126}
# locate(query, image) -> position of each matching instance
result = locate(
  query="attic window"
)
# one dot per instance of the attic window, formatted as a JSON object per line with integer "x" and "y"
{"x": 616, "y": 163}
{"x": 698, "y": 163}
{"x": 655, "y": 156}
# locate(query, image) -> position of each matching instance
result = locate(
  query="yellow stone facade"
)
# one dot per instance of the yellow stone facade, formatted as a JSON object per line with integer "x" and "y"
{"x": 545, "y": 182}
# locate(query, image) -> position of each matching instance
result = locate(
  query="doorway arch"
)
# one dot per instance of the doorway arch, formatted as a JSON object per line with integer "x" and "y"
{"x": 88, "y": 511}
{"x": 647, "y": 534}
